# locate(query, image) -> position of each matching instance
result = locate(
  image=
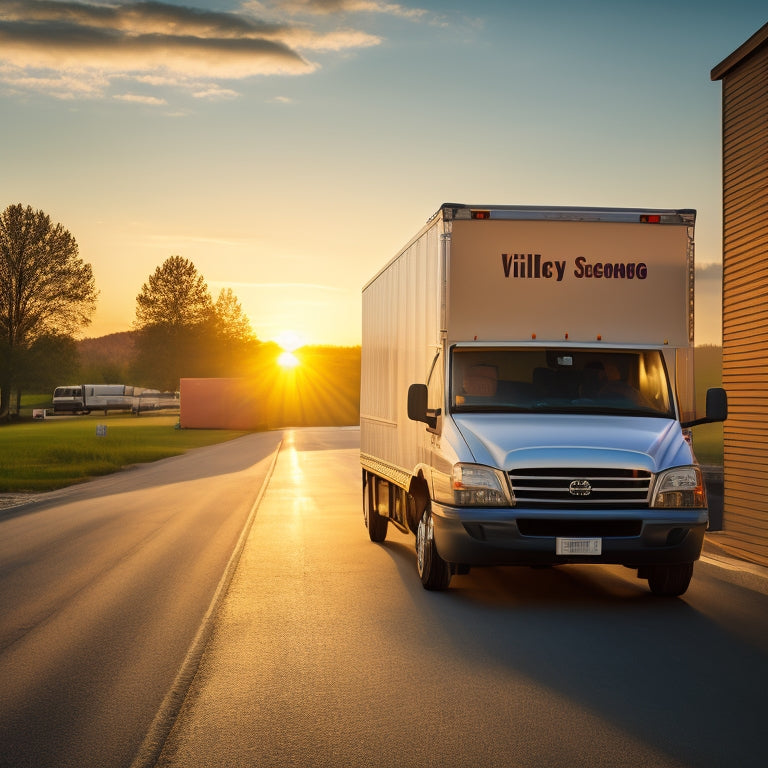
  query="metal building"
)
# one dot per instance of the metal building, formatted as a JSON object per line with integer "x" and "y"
{"x": 744, "y": 77}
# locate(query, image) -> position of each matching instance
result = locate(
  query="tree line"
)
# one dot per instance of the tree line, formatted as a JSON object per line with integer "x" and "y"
{"x": 48, "y": 295}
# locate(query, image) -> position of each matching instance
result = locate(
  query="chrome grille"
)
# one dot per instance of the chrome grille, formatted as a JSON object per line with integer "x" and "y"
{"x": 579, "y": 487}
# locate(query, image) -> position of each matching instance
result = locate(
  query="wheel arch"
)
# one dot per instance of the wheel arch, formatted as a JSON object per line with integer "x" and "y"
{"x": 418, "y": 500}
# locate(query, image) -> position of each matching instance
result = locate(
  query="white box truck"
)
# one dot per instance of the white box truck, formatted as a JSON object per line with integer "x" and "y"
{"x": 527, "y": 392}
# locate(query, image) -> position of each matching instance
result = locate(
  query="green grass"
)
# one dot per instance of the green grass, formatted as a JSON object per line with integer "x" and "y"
{"x": 708, "y": 443}
{"x": 60, "y": 451}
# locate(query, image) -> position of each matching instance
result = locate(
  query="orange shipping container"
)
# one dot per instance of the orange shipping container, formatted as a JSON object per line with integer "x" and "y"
{"x": 220, "y": 404}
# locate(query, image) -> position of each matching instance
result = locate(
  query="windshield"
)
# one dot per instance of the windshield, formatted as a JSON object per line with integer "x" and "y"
{"x": 554, "y": 380}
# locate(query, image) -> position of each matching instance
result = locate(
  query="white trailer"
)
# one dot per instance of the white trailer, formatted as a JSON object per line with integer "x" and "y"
{"x": 527, "y": 391}
{"x": 84, "y": 398}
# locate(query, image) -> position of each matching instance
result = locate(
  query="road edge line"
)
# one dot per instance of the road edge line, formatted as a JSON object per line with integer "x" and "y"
{"x": 152, "y": 746}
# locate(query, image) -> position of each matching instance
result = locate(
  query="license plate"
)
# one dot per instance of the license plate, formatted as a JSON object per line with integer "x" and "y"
{"x": 579, "y": 546}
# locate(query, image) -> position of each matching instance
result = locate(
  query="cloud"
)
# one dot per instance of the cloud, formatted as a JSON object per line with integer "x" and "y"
{"x": 139, "y": 99}
{"x": 326, "y": 7}
{"x": 45, "y": 41}
{"x": 711, "y": 271}
{"x": 337, "y": 40}
{"x": 60, "y": 85}
{"x": 215, "y": 93}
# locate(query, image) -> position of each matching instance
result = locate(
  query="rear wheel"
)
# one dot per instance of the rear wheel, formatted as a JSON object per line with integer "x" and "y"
{"x": 670, "y": 580}
{"x": 434, "y": 572}
{"x": 375, "y": 523}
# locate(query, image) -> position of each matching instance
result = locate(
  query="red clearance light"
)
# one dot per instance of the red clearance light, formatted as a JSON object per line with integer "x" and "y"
{"x": 650, "y": 218}
{"x": 481, "y": 214}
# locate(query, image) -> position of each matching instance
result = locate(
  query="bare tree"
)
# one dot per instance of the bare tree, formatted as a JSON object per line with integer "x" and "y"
{"x": 45, "y": 288}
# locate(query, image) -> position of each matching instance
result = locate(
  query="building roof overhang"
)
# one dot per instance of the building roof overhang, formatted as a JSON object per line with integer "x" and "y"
{"x": 757, "y": 41}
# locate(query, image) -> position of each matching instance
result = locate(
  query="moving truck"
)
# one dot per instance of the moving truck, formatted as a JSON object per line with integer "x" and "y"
{"x": 527, "y": 392}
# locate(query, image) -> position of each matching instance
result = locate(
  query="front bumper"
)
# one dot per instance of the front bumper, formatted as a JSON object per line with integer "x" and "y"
{"x": 481, "y": 536}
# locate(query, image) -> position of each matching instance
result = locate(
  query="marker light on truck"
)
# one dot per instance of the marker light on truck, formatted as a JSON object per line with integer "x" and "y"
{"x": 478, "y": 486}
{"x": 681, "y": 487}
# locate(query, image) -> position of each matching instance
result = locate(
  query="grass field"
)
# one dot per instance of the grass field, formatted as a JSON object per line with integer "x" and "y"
{"x": 56, "y": 452}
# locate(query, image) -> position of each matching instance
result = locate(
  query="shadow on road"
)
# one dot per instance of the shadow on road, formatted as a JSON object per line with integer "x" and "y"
{"x": 662, "y": 670}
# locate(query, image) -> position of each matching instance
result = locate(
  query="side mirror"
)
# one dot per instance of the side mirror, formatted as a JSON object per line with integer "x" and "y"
{"x": 717, "y": 408}
{"x": 417, "y": 406}
{"x": 717, "y": 404}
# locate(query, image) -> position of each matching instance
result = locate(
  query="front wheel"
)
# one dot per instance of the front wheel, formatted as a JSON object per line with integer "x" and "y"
{"x": 670, "y": 580}
{"x": 434, "y": 572}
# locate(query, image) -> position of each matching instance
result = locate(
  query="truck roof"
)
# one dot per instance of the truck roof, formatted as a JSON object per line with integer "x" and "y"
{"x": 459, "y": 211}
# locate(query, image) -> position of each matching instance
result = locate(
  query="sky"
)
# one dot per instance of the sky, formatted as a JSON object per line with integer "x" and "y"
{"x": 289, "y": 148}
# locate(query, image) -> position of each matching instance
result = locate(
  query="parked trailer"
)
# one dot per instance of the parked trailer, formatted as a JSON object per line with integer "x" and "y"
{"x": 84, "y": 398}
{"x": 154, "y": 400}
{"x": 527, "y": 392}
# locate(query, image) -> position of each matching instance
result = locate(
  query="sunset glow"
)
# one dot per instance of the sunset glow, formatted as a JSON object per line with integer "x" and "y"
{"x": 290, "y": 341}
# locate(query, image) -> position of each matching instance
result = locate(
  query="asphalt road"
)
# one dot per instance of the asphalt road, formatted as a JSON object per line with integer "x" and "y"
{"x": 326, "y": 651}
{"x": 103, "y": 590}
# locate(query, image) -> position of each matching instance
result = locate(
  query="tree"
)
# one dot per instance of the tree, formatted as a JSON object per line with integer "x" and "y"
{"x": 182, "y": 333}
{"x": 50, "y": 360}
{"x": 234, "y": 341}
{"x": 45, "y": 289}
{"x": 232, "y": 324}
{"x": 175, "y": 297}
{"x": 174, "y": 314}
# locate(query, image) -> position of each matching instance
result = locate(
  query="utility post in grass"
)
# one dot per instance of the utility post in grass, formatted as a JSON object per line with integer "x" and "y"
{"x": 46, "y": 291}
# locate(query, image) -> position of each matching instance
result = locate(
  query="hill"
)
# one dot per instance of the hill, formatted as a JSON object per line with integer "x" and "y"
{"x": 108, "y": 359}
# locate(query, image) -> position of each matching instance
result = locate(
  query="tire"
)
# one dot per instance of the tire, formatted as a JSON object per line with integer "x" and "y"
{"x": 375, "y": 523}
{"x": 434, "y": 572}
{"x": 670, "y": 580}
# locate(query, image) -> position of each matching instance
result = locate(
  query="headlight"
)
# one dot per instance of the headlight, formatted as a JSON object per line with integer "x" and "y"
{"x": 678, "y": 488}
{"x": 477, "y": 486}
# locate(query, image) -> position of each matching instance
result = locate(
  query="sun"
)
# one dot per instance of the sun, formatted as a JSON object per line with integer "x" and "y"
{"x": 287, "y": 360}
{"x": 290, "y": 342}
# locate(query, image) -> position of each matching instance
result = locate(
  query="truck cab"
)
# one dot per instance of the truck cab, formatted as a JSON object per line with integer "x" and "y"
{"x": 556, "y": 455}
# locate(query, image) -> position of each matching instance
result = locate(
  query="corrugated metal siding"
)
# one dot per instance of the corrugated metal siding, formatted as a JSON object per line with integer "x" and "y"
{"x": 745, "y": 305}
